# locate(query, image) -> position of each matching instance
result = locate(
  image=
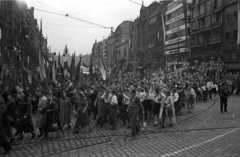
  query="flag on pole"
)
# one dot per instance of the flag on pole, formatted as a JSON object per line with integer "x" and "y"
{"x": 60, "y": 68}
{"x": 73, "y": 69}
{"x": 163, "y": 25}
{"x": 13, "y": 74}
{"x": 77, "y": 75}
{"x": 103, "y": 69}
{"x": 65, "y": 63}
{"x": 54, "y": 72}
{"x": 91, "y": 68}
{"x": 238, "y": 22}
{"x": 42, "y": 69}
{"x": 85, "y": 70}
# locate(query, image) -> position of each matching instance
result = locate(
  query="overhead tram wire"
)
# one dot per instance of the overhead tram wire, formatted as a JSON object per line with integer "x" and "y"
{"x": 65, "y": 37}
{"x": 101, "y": 26}
{"x": 86, "y": 35}
{"x": 62, "y": 25}
{"x": 92, "y": 8}
{"x": 58, "y": 10}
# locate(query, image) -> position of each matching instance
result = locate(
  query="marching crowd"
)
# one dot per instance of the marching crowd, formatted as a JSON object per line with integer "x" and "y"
{"x": 127, "y": 101}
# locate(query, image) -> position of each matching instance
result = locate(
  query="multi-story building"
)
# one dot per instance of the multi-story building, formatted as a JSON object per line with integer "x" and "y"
{"x": 110, "y": 48}
{"x": 121, "y": 42}
{"x": 155, "y": 36}
{"x": 131, "y": 58}
{"x": 143, "y": 57}
{"x": 2, "y": 30}
{"x": 206, "y": 30}
{"x": 177, "y": 33}
{"x": 231, "y": 55}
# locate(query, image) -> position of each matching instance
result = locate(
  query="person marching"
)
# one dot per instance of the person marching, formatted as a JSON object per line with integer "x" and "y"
{"x": 124, "y": 109}
{"x": 148, "y": 103}
{"x": 65, "y": 110}
{"x": 113, "y": 100}
{"x": 106, "y": 108}
{"x": 224, "y": 94}
{"x": 134, "y": 106}
{"x": 99, "y": 102}
{"x": 3, "y": 138}
{"x": 82, "y": 119}
{"x": 41, "y": 113}
{"x": 25, "y": 123}
{"x": 156, "y": 106}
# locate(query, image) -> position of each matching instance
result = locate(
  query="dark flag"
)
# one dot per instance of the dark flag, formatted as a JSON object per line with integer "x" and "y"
{"x": 91, "y": 68}
{"x": 77, "y": 73}
{"x": 73, "y": 69}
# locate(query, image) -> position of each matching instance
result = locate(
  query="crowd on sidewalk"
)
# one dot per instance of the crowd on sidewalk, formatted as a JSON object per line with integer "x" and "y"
{"x": 159, "y": 97}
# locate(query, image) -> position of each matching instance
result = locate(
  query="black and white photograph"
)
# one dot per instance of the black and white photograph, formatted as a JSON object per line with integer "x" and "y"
{"x": 119, "y": 78}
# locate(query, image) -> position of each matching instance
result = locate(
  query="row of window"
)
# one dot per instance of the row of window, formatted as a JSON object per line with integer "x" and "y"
{"x": 176, "y": 35}
{"x": 207, "y": 21}
{"x": 231, "y": 36}
{"x": 174, "y": 14}
{"x": 231, "y": 54}
{"x": 175, "y": 25}
{"x": 206, "y": 7}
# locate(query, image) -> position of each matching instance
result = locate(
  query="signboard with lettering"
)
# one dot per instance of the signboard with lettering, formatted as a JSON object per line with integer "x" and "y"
{"x": 176, "y": 29}
{"x": 175, "y": 19}
{"x": 150, "y": 46}
{"x": 175, "y": 40}
{"x": 176, "y": 7}
{"x": 176, "y": 51}
{"x": 173, "y": 4}
{"x": 169, "y": 47}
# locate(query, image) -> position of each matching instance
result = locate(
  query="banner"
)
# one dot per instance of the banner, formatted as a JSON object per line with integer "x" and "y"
{"x": 163, "y": 24}
{"x": 42, "y": 69}
{"x": 103, "y": 70}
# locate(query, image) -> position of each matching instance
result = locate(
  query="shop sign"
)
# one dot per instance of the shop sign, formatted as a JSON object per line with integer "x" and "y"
{"x": 175, "y": 19}
{"x": 182, "y": 44}
{"x": 175, "y": 29}
{"x": 174, "y": 6}
{"x": 233, "y": 66}
{"x": 177, "y": 51}
{"x": 150, "y": 46}
{"x": 175, "y": 40}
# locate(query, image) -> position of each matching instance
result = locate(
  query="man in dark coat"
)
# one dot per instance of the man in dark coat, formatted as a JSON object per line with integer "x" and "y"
{"x": 3, "y": 138}
{"x": 224, "y": 93}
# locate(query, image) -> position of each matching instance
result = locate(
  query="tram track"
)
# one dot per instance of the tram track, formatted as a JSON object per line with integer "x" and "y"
{"x": 117, "y": 137}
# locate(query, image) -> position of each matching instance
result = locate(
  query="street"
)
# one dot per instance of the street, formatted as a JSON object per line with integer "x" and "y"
{"x": 206, "y": 132}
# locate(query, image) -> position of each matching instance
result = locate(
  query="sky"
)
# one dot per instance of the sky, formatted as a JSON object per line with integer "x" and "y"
{"x": 77, "y": 35}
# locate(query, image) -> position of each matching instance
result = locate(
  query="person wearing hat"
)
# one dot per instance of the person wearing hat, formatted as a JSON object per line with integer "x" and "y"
{"x": 134, "y": 106}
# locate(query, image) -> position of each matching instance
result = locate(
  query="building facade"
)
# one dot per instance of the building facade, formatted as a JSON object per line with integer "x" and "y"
{"x": 207, "y": 18}
{"x": 177, "y": 33}
{"x": 231, "y": 51}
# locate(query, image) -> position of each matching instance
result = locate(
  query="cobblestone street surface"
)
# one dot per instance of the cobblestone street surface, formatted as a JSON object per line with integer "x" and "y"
{"x": 206, "y": 132}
